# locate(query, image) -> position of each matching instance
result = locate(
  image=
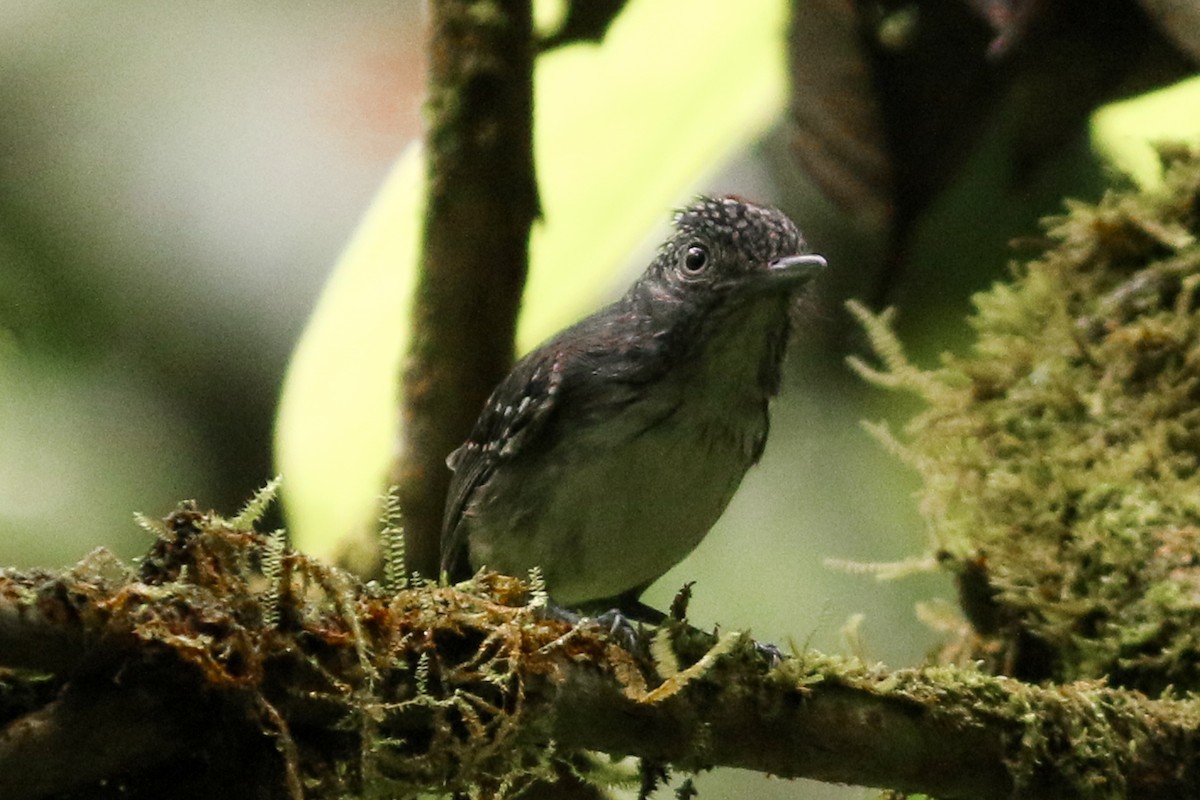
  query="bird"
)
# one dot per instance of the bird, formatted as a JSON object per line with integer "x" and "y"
{"x": 609, "y": 451}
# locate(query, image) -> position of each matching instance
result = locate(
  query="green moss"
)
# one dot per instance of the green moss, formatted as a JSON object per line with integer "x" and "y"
{"x": 1060, "y": 456}
{"x": 1083, "y": 739}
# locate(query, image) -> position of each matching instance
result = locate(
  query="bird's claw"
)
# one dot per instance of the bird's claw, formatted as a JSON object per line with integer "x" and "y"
{"x": 619, "y": 627}
{"x": 615, "y": 624}
{"x": 770, "y": 652}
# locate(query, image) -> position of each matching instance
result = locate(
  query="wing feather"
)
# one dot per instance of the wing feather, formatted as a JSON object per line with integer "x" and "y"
{"x": 502, "y": 431}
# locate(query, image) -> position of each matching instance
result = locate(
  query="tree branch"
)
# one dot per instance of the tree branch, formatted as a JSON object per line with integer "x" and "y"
{"x": 833, "y": 731}
{"x": 481, "y": 202}
{"x": 92, "y": 732}
{"x": 31, "y": 636}
{"x": 343, "y": 686}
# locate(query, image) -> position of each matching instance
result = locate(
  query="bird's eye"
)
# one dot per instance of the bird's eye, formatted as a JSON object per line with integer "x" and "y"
{"x": 695, "y": 259}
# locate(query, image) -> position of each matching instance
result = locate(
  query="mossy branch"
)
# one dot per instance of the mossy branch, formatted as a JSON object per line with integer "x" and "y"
{"x": 313, "y": 684}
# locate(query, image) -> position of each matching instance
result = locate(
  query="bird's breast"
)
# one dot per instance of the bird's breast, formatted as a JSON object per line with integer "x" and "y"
{"x": 613, "y": 505}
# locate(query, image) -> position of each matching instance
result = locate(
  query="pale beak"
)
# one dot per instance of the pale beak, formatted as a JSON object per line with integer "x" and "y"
{"x": 793, "y": 271}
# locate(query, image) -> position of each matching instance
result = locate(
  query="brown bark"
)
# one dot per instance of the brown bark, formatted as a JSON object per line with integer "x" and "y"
{"x": 481, "y": 202}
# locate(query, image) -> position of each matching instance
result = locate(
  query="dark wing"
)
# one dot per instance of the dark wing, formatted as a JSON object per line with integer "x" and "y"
{"x": 502, "y": 430}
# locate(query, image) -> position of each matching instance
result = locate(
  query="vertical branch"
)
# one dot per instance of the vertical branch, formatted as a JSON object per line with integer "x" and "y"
{"x": 481, "y": 201}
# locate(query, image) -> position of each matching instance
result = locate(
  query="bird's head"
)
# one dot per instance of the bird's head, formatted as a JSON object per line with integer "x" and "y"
{"x": 726, "y": 250}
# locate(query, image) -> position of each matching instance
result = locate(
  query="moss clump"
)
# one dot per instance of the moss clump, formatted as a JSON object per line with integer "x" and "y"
{"x": 1061, "y": 456}
{"x": 301, "y": 681}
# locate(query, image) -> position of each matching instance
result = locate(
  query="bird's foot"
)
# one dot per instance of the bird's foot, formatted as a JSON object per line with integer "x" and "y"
{"x": 620, "y": 628}
{"x": 770, "y": 652}
{"x": 623, "y": 628}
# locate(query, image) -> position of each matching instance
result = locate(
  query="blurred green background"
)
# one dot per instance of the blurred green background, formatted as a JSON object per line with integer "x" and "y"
{"x": 176, "y": 183}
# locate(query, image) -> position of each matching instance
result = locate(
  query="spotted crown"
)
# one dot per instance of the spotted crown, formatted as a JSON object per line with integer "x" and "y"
{"x": 760, "y": 232}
